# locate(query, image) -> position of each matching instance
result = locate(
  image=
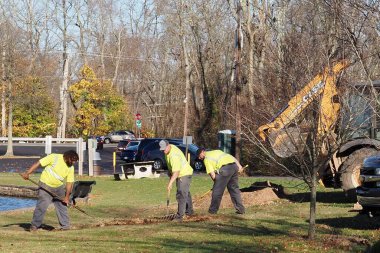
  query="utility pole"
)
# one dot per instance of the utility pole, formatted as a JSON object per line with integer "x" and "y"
{"x": 238, "y": 39}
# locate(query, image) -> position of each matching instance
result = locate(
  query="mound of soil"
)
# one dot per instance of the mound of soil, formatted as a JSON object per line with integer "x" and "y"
{"x": 251, "y": 196}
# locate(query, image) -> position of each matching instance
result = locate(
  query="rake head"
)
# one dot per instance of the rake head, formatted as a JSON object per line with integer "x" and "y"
{"x": 167, "y": 217}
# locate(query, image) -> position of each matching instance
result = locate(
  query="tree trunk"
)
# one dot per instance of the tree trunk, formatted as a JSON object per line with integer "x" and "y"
{"x": 238, "y": 82}
{"x": 118, "y": 57}
{"x": 3, "y": 95}
{"x": 62, "y": 114}
{"x": 81, "y": 24}
{"x": 10, "y": 121}
{"x": 187, "y": 73}
{"x": 313, "y": 206}
{"x": 281, "y": 44}
{"x": 250, "y": 35}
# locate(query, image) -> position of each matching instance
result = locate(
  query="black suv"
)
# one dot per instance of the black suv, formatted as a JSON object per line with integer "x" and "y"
{"x": 135, "y": 149}
{"x": 122, "y": 145}
{"x": 128, "y": 154}
{"x": 368, "y": 193}
{"x": 152, "y": 152}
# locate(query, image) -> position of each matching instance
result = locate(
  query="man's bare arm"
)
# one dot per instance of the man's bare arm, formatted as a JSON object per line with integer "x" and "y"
{"x": 32, "y": 168}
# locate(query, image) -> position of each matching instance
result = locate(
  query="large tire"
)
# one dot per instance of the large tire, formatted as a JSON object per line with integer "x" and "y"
{"x": 350, "y": 170}
{"x": 107, "y": 141}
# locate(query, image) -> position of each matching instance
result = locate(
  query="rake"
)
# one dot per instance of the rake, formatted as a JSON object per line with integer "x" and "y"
{"x": 167, "y": 203}
{"x": 56, "y": 196}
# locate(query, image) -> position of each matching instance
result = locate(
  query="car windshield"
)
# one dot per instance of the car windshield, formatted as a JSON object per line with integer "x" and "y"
{"x": 123, "y": 143}
{"x": 133, "y": 143}
{"x": 134, "y": 148}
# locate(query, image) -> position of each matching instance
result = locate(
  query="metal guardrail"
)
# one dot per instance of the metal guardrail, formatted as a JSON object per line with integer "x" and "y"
{"x": 48, "y": 140}
{"x": 39, "y": 139}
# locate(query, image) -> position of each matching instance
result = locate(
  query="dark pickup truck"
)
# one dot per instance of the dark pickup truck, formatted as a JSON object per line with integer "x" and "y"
{"x": 368, "y": 193}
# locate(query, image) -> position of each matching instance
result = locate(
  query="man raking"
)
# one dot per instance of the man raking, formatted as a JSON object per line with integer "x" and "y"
{"x": 56, "y": 178}
{"x": 180, "y": 172}
{"x": 223, "y": 169}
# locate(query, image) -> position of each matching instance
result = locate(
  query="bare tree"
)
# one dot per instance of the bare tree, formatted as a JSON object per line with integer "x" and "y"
{"x": 7, "y": 67}
{"x": 3, "y": 88}
{"x": 62, "y": 113}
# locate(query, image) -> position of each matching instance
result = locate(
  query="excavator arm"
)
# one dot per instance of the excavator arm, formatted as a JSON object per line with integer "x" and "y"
{"x": 285, "y": 140}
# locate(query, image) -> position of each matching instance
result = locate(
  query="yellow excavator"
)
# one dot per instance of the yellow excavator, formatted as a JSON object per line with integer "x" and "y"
{"x": 288, "y": 137}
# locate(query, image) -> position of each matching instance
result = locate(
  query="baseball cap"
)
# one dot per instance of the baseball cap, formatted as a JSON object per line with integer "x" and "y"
{"x": 199, "y": 151}
{"x": 163, "y": 144}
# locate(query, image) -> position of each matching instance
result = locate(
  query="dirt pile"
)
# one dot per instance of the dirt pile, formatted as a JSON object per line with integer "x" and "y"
{"x": 257, "y": 194}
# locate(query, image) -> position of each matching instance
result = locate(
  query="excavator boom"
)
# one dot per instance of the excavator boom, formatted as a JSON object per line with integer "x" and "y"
{"x": 285, "y": 141}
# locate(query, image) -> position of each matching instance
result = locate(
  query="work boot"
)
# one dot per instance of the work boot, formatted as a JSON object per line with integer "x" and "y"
{"x": 62, "y": 229}
{"x": 33, "y": 228}
{"x": 177, "y": 218}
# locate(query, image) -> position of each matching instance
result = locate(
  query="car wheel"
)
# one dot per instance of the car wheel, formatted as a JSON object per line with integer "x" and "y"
{"x": 107, "y": 141}
{"x": 198, "y": 166}
{"x": 158, "y": 164}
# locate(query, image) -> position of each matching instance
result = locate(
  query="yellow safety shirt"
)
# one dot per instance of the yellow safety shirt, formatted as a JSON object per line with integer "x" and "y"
{"x": 56, "y": 171}
{"x": 215, "y": 159}
{"x": 176, "y": 161}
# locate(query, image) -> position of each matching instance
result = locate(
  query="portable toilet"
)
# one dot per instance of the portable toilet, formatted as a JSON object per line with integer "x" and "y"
{"x": 227, "y": 141}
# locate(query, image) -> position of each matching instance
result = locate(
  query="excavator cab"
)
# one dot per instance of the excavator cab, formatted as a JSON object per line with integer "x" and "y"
{"x": 360, "y": 114}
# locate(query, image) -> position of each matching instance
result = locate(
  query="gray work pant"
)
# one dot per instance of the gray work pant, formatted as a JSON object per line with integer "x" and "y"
{"x": 185, "y": 203}
{"x": 227, "y": 177}
{"x": 43, "y": 202}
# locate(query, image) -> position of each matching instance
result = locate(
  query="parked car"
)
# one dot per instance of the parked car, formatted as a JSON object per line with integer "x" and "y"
{"x": 121, "y": 146}
{"x": 197, "y": 164}
{"x": 117, "y": 136}
{"x": 134, "y": 149}
{"x": 130, "y": 151}
{"x": 153, "y": 153}
{"x": 368, "y": 194}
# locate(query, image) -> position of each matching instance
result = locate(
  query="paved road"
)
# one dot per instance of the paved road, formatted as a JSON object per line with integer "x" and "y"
{"x": 28, "y": 153}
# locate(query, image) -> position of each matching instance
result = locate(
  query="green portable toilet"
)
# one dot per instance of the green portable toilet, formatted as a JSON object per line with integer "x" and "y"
{"x": 227, "y": 141}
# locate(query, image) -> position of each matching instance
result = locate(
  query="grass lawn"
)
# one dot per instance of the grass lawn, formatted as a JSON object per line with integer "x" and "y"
{"x": 121, "y": 221}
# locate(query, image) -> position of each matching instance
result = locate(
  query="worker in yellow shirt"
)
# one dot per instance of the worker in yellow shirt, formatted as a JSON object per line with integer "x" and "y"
{"x": 58, "y": 178}
{"x": 223, "y": 169}
{"x": 180, "y": 172}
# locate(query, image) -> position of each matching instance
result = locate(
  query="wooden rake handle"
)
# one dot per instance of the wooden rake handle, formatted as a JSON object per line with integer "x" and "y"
{"x": 54, "y": 195}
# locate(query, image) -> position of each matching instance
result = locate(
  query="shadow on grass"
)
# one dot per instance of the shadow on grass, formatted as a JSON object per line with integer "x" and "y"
{"x": 360, "y": 221}
{"x": 322, "y": 197}
{"x": 338, "y": 196}
{"x": 26, "y": 226}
